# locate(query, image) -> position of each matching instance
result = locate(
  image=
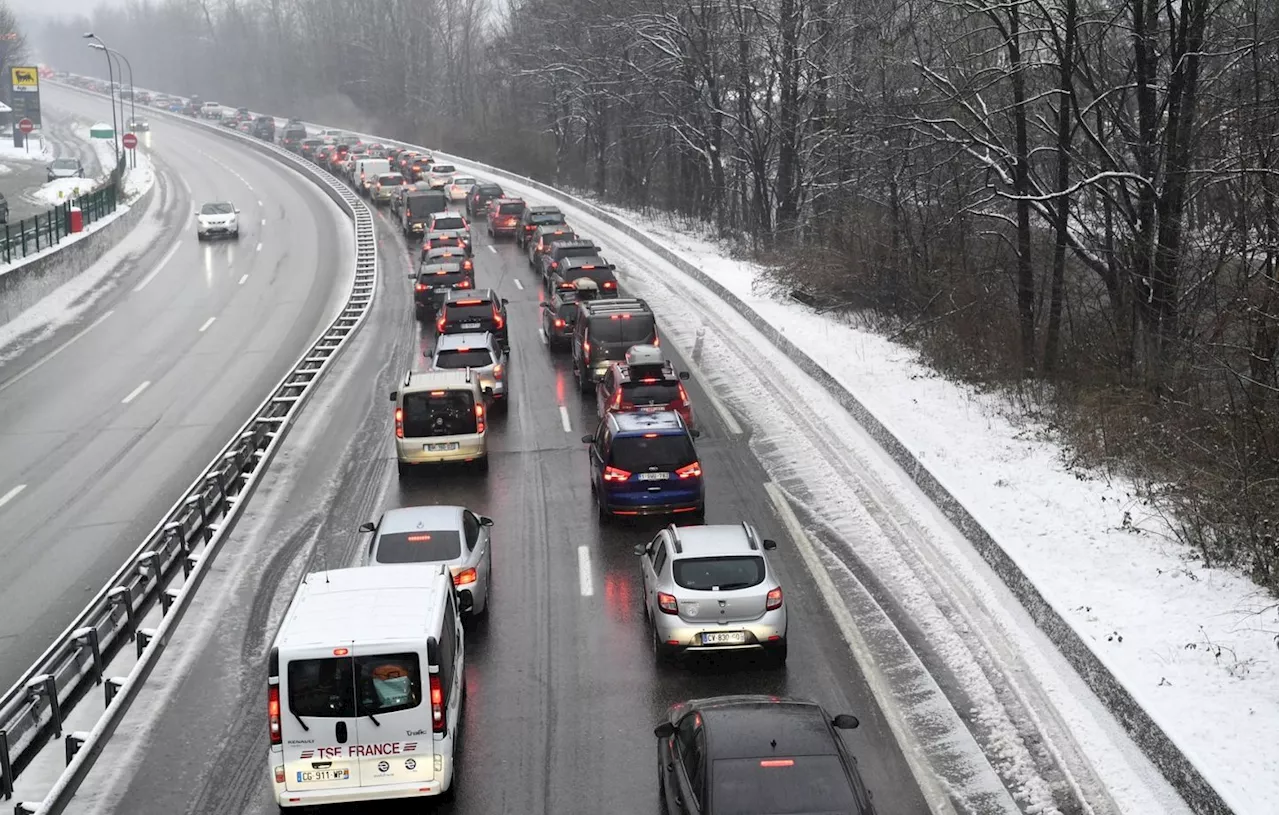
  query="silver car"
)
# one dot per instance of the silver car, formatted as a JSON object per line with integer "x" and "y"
{"x": 480, "y": 352}
{"x": 440, "y": 175}
{"x": 453, "y": 536}
{"x": 450, "y": 224}
{"x": 710, "y": 588}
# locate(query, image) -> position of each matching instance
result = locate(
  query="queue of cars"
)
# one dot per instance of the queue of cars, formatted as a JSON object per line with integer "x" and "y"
{"x": 365, "y": 690}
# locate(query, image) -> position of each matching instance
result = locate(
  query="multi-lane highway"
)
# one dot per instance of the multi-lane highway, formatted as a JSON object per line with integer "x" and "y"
{"x": 563, "y": 692}
{"x": 106, "y": 420}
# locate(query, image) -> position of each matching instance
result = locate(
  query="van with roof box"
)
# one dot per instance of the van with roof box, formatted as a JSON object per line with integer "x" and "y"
{"x": 364, "y": 687}
{"x": 604, "y": 331}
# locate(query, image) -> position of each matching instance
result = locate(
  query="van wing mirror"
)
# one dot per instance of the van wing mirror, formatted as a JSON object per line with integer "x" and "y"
{"x": 684, "y": 376}
{"x": 367, "y": 526}
{"x": 665, "y": 730}
{"x": 639, "y": 549}
{"x": 769, "y": 544}
{"x": 588, "y": 439}
{"x": 413, "y": 276}
{"x": 393, "y": 395}
{"x": 695, "y": 433}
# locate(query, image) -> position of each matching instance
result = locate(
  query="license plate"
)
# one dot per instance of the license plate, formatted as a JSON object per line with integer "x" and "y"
{"x": 655, "y": 476}
{"x": 470, "y": 325}
{"x": 305, "y": 776}
{"x": 724, "y": 638}
{"x": 440, "y": 448}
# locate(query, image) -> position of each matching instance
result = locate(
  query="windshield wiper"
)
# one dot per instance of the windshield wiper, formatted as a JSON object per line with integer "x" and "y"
{"x": 300, "y": 721}
{"x": 374, "y": 720}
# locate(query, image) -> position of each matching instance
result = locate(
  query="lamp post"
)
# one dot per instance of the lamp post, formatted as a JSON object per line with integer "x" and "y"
{"x": 133, "y": 112}
{"x": 111, "y": 78}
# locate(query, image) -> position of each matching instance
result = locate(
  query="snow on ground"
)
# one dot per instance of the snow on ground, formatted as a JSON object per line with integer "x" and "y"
{"x": 104, "y": 148}
{"x": 59, "y": 190}
{"x": 1195, "y": 646}
{"x": 36, "y": 149}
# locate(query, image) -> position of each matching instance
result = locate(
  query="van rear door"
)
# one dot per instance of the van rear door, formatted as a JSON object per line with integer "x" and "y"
{"x": 318, "y": 721}
{"x": 394, "y": 706}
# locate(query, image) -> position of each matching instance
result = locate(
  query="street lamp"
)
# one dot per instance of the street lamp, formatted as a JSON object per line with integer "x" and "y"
{"x": 133, "y": 113}
{"x": 111, "y": 77}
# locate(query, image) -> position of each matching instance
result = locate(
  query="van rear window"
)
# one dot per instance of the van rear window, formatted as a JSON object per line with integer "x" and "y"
{"x": 666, "y": 453}
{"x": 439, "y": 413}
{"x": 346, "y": 687}
{"x": 633, "y": 329}
{"x": 429, "y": 546}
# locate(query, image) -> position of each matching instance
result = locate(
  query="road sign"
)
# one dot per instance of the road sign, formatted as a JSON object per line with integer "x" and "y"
{"x": 26, "y": 126}
{"x": 129, "y": 141}
{"x": 26, "y": 79}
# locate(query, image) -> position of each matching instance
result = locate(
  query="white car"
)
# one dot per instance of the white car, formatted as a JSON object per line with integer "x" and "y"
{"x": 211, "y": 110}
{"x": 459, "y": 187}
{"x": 440, "y": 175}
{"x": 217, "y": 219}
{"x": 65, "y": 168}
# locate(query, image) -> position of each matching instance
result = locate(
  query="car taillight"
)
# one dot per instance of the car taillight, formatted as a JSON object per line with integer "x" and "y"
{"x": 437, "y": 705}
{"x": 667, "y": 603}
{"x": 479, "y": 418}
{"x": 617, "y": 400}
{"x": 559, "y": 323}
{"x": 773, "y": 599}
{"x": 399, "y": 423}
{"x": 498, "y": 320}
{"x": 465, "y": 284}
{"x": 555, "y": 264}
{"x": 468, "y": 266}
{"x": 609, "y": 284}
{"x": 273, "y": 712}
{"x": 586, "y": 346}
{"x": 614, "y": 474}
{"x": 420, "y": 287}
{"x": 465, "y": 577}
{"x": 497, "y": 371}
{"x": 684, "y": 395}
{"x": 693, "y": 470}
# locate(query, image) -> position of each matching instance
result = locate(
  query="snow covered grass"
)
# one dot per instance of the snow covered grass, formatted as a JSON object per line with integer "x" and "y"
{"x": 59, "y": 190}
{"x": 1195, "y": 646}
{"x": 38, "y": 151}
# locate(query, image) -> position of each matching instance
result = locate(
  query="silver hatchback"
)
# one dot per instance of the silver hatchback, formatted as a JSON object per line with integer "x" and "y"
{"x": 711, "y": 588}
{"x": 482, "y": 354}
{"x": 453, "y": 536}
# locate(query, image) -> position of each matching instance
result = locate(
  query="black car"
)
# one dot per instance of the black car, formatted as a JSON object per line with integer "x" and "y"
{"x": 571, "y": 269}
{"x": 435, "y": 280}
{"x": 603, "y": 333}
{"x": 293, "y": 137}
{"x": 559, "y": 250}
{"x": 264, "y": 127}
{"x": 757, "y": 754}
{"x": 535, "y": 217}
{"x": 471, "y": 312}
{"x": 478, "y": 198}
{"x": 558, "y": 311}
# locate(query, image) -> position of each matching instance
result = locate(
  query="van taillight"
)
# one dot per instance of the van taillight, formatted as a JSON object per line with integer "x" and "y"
{"x": 399, "y": 423}
{"x": 273, "y": 712}
{"x": 420, "y": 287}
{"x": 437, "y": 705}
{"x": 559, "y": 323}
{"x": 498, "y": 320}
{"x": 479, "y": 418}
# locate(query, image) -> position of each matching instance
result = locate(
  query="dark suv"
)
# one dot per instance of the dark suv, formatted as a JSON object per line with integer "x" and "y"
{"x": 603, "y": 333}
{"x": 549, "y": 261}
{"x": 436, "y": 279}
{"x": 571, "y": 269}
{"x": 535, "y": 217}
{"x": 645, "y": 464}
{"x": 479, "y": 196}
{"x": 470, "y": 312}
{"x": 540, "y": 242}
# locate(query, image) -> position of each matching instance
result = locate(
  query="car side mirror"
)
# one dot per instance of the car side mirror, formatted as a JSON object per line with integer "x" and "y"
{"x": 665, "y": 730}
{"x": 413, "y": 277}
{"x": 769, "y": 545}
{"x": 504, "y": 301}
{"x": 684, "y": 376}
{"x": 367, "y": 526}
{"x": 393, "y": 395}
{"x": 485, "y": 521}
{"x": 237, "y": 211}
{"x": 695, "y": 433}
{"x": 639, "y": 549}
{"x": 845, "y": 721}
{"x": 588, "y": 439}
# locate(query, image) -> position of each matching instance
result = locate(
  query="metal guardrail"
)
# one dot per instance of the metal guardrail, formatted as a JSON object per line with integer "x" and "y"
{"x": 170, "y": 563}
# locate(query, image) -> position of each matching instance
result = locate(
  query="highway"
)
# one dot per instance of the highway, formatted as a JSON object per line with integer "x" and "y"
{"x": 562, "y": 688}
{"x": 106, "y": 421}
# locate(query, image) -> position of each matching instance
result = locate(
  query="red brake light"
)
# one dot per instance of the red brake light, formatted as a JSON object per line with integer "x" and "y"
{"x": 479, "y": 418}
{"x": 440, "y": 325}
{"x": 555, "y": 264}
{"x": 468, "y": 302}
{"x": 619, "y": 316}
{"x": 648, "y": 380}
{"x": 667, "y": 603}
{"x": 498, "y": 320}
{"x": 437, "y": 704}
{"x": 464, "y": 577}
{"x": 467, "y": 266}
{"x": 399, "y": 423}
{"x": 693, "y": 470}
{"x": 497, "y": 371}
{"x": 420, "y": 287}
{"x": 465, "y": 284}
{"x": 614, "y": 474}
{"x": 273, "y": 712}
{"x": 773, "y": 599}
{"x": 587, "y": 267}
{"x": 651, "y": 435}
{"x": 617, "y": 399}
{"x": 586, "y": 346}
{"x": 609, "y": 284}
{"x": 777, "y": 762}
{"x": 684, "y": 395}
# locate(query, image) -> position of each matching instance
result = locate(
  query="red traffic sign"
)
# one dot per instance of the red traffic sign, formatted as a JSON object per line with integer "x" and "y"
{"x": 26, "y": 126}
{"x": 130, "y": 141}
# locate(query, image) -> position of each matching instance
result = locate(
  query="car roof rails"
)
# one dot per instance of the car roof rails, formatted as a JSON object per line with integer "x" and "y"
{"x": 675, "y": 538}
{"x": 751, "y": 536}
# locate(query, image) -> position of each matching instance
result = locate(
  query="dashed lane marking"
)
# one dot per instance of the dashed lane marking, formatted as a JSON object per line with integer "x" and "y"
{"x": 13, "y": 493}
{"x": 207, "y": 323}
{"x": 564, "y": 419}
{"x": 134, "y": 393}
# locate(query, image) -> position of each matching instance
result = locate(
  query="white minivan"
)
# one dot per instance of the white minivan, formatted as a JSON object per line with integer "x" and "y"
{"x": 366, "y": 171}
{"x": 364, "y": 687}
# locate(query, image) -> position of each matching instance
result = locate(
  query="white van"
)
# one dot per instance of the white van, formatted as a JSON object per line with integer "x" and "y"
{"x": 364, "y": 687}
{"x": 366, "y": 171}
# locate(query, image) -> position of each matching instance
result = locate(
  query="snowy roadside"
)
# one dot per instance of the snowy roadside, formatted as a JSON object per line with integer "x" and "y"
{"x": 1195, "y": 646}
{"x": 37, "y": 149}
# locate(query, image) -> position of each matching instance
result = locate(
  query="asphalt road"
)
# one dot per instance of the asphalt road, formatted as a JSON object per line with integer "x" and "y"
{"x": 106, "y": 422}
{"x": 562, "y": 689}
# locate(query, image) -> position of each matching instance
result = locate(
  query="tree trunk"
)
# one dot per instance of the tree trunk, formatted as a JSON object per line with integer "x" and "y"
{"x": 1062, "y": 213}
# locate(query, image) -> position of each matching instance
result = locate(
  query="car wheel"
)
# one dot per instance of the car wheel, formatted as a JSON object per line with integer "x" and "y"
{"x": 661, "y": 656}
{"x": 778, "y": 656}
{"x": 404, "y": 470}
{"x": 602, "y": 514}
{"x": 199, "y": 236}
{"x": 483, "y": 465}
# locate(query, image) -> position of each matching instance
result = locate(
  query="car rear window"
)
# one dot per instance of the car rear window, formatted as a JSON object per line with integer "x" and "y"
{"x": 650, "y": 393}
{"x": 718, "y": 573}
{"x": 546, "y": 218}
{"x": 439, "y": 413}
{"x": 781, "y": 785}
{"x": 634, "y": 329}
{"x": 427, "y": 546}
{"x": 568, "y": 312}
{"x": 492, "y": 190}
{"x": 578, "y": 252}
{"x": 462, "y": 314}
{"x": 444, "y": 168}
{"x": 470, "y": 358}
{"x": 390, "y": 178}
{"x": 511, "y": 209}
{"x": 454, "y": 222}
{"x": 346, "y": 687}
{"x": 442, "y": 274}
{"x": 666, "y": 452}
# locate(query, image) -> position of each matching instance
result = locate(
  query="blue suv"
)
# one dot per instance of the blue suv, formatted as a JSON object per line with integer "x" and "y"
{"x": 645, "y": 464}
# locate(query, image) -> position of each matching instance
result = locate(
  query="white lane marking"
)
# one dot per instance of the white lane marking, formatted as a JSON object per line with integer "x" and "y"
{"x": 564, "y": 419}
{"x": 159, "y": 266}
{"x": 542, "y": 335}
{"x": 243, "y": 278}
{"x": 730, "y": 423}
{"x": 934, "y": 795}
{"x": 259, "y": 249}
{"x": 207, "y": 323}
{"x": 134, "y": 394}
{"x": 59, "y": 349}
{"x": 264, "y": 221}
{"x": 491, "y": 249}
{"x": 13, "y": 493}
{"x": 259, "y": 204}
{"x": 584, "y": 571}
{"x": 519, "y": 285}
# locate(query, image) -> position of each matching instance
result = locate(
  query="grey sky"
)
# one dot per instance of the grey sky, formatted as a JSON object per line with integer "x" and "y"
{"x": 55, "y": 8}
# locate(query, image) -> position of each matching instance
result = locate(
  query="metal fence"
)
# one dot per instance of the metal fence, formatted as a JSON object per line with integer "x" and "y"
{"x": 43, "y": 230}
